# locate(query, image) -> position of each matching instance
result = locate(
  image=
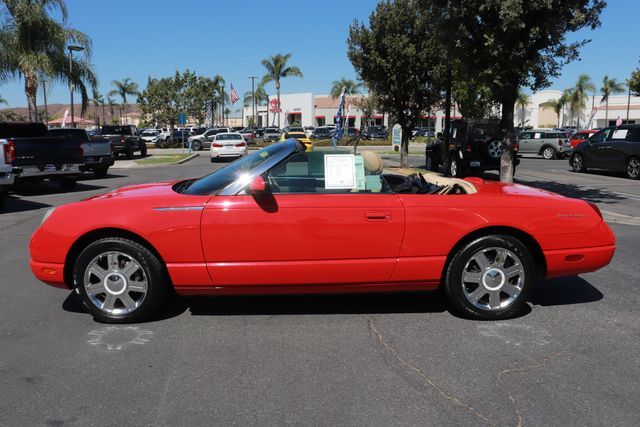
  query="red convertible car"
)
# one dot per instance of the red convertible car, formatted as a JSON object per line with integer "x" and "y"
{"x": 286, "y": 220}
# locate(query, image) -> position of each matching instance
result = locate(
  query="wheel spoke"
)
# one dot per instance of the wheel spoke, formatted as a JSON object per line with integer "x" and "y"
{"x": 494, "y": 299}
{"x": 501, "y": 258}
{"x": 135, "y": 286}
{"x": 95, "y": 288}
{"x": 127, "y": 301}
{"x": 112, "y": 260}
{"x": 471, "y": 277}
{"x": 109, "y": 302}
{"x": 130, "y": 268}
{"x": 98, "y": 271}
{"x": 482, "y": 261}
{"x": 476, "y": 295}
{"x": 510, "y": 289}
{"x": 513, "y": 271}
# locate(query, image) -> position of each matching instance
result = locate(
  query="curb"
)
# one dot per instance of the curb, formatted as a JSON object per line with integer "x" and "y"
{"x": 179, "y": 162}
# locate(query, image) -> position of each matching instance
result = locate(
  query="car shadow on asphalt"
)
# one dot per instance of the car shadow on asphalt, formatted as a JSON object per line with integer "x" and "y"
{"x": 565, "y": 291}
{"x": 89, "y": 176}
{"x": 595, "y": 195}
{"x": 44, "y": 188}
{"x": 15, "y": 204}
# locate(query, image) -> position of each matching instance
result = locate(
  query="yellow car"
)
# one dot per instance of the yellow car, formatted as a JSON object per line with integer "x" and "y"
{"x": 300, "y": 136}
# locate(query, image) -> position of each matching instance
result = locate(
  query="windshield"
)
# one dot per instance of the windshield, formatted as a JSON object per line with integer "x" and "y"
{"x": 228, "y": 137}
{"x": 149, "y": 133}
{"x": 116, "y": 130}
{"x": 218, "y": 180}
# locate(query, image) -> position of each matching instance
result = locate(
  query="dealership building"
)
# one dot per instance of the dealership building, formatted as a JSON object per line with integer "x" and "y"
{"x": 308, "y": 109}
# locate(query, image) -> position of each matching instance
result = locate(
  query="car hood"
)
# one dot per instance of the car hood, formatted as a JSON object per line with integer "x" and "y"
{"x": 501, "y": 188}
{"x": 158, "y": 189}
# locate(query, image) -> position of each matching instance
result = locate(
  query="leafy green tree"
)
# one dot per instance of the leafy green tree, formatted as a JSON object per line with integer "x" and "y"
{"x": 609, "y": 87}
{"x": 124, "y": 88}
{"x": 634, "y": 82}
{"x": 34, "y": 44}
{"x": 163, "y": 99}
{"x": 351, "y": 87}
{"x": 11, "y": 116}
{"x": 277, "y": 68}
{"x": 509, "y": 45}
{"x": 3, "y": 101}
{"x": 198, "y": 93}
{"x": 261, "y": 98}
{"x": 398, "y": 57}
{"x": 473, "y": 98}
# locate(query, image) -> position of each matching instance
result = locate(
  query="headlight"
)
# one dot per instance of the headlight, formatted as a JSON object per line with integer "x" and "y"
{"x": 47, "y": 215}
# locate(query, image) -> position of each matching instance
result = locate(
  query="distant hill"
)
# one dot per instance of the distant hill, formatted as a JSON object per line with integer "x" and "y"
{"x": 56, "y": 111}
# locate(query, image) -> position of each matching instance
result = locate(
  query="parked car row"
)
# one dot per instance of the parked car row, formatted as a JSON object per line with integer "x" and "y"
{"x": 32, "y": 153}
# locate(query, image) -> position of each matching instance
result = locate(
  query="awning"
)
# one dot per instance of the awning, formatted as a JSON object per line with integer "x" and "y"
{"x": 295, "y": 113}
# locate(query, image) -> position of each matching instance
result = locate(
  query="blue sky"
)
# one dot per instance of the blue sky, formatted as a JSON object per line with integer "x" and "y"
{"x": 138, "y": 38}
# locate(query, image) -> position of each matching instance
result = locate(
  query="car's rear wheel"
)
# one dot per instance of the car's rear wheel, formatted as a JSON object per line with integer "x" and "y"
{"x": 494, "y": 149}
{"x": 577, "y": 163}
{"x": 3, "y": 195}
{"x": 456, "y": 168}
{"x": 119, "y": 280}
{"x": 143, "y": 149}
{"x": 490, "y": 278}
{"x": 633, "y": 168}
{"x": 549, "y": 153}
{"x": 128, "y": 150}
{"x": 68, "y": 183}
{"x": 100, "y": 171}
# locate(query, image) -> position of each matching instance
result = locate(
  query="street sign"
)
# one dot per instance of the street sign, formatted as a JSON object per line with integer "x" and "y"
{"x": 396, "y": 137}
{"x": 182, "y": 119}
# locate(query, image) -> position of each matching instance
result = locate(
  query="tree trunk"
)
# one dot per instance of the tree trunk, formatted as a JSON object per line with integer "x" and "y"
{"x": 31, "y": 90}
{"x": 404, "y": 147}
{"x": 508, "y": 138}
{"x": 606, "y": 113}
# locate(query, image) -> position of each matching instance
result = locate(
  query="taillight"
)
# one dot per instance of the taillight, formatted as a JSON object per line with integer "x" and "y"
{"x": 121, "y": 139}
{"x": 559, "y": 142}
{"x": 217, "y": 145}
{"x": 242, "y": 144}
{"x": 595, "y": 208}
{"x": 516, "y": 147}
{"x": 468, "y": 148}
{"x": 9, "y": 152}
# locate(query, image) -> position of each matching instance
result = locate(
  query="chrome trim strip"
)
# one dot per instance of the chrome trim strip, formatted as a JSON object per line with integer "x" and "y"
{"x": 178, "y": 208}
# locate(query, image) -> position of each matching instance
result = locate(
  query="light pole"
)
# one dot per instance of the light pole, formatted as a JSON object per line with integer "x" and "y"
{"x": 72, "y": 49}
{"x": 253, "y": 99}
{"x": 44, "y": 93}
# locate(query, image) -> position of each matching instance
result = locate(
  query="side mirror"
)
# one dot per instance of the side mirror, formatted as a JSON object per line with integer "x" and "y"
{"x": 257, "y": 185}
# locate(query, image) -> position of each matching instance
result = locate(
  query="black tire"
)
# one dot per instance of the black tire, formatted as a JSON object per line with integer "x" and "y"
{"x": 128, "y": 151}
{"x": 577, "y": 163}
{"x": 197, "y": 146}
{"x": 456, "y": 166}
{"x": 456, "y": 289}
{"x": 632, "y": 171}
{"x": 213, "y": 160}
{"x": 3, "y": 195}
{"x": 549, "y": 153}
{"x": 68, "y": 183}
{"x": 157, "y": 282}
{"x": 143, "y": 150}
{"x": 431, "y": 164}
{"x": 100, "y": 171}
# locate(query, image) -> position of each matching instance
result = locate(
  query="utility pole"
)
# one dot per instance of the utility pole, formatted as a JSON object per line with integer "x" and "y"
{"x": 253, "y": 99}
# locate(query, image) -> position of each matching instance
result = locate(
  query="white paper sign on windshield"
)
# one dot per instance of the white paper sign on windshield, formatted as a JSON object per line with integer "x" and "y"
{"x": 339, "y": 171}
{"x": 620, "y": 134}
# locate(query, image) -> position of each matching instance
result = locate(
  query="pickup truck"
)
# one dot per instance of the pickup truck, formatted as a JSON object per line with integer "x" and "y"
{"x": 7, "y": 155}
{"x": 125, "y": 139}
{"x": 98, "y": 155}
{"x": 40, "y": 156}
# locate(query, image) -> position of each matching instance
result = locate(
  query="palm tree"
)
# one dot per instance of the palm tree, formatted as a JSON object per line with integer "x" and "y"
{"x": 97, "y": 99}
{"x": 112, "y": 104}
{"x": 609, "y": 87}
{"x": 261, "y": 98}
{"x": 351, "y": 87}
{"x": 33, "y": 44}
{"x": 277, "y": 69}
{"x": 583, "y": 85}
{"x": 3, "y": 101}
{"x": 557, "y": 105}
{"x": 522, "y": 101}
{"x": 124, "y": 88}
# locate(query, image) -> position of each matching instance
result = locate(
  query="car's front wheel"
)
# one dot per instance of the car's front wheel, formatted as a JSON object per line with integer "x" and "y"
{"x": 456, "y": 168}
{"x": 577, "y": 163}
{"x": 119, "y": 280}
{"x": 490, "y": 278}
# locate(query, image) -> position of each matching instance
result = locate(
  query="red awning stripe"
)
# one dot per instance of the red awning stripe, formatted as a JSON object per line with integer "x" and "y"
{"x": 296, "y": 113}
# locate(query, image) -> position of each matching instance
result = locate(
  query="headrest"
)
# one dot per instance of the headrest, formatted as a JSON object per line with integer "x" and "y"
{"x": 372, "y": 162}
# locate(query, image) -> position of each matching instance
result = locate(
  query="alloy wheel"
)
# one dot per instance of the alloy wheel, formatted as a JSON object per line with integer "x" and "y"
{"x": 548, "y": 153}
{"x": 493, "y": 278}
{"x": 577, "y": 163}
{"x": 495, "y": 149}
{"x": 633, "y": 168}
{"x": 115, "y": 283}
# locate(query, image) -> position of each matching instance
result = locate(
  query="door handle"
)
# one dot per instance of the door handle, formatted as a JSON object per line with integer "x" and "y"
{"x": 377, "y": 216}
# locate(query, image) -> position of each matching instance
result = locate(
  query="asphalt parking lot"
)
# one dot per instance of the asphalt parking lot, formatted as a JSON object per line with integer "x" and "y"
{"x": 397, "y": 359}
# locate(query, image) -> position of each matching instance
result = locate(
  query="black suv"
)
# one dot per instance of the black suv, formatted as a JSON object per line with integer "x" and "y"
{"x": 375, "y": 132}
{"x": 612, "y": 148}
{"x": 475, "y": 147}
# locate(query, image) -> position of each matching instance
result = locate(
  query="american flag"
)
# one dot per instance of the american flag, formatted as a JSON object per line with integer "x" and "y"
{"x": 234, "y": 95}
